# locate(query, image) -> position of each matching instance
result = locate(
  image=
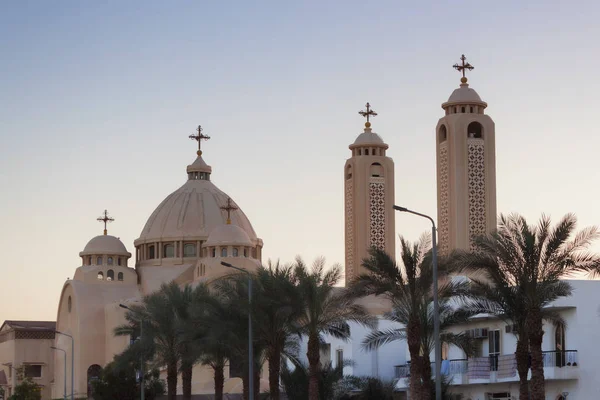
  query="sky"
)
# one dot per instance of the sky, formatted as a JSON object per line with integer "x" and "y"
{"x": 98, "y": 100}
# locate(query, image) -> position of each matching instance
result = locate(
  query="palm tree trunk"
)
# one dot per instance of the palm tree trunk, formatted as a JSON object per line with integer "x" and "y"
{"x": 274, "y": 360}
{"x": 313, "y": 367}
{"x": 245, "y": 386}
{"x": 186, "y": 382}
{"x": 522, "y": 357}
{"x": 536, "y": 334}
{"x": 219, "y": 381}
{"x": 256, "y": 381}
{"x": 416, "y": 369}
{"x": 427, "y": 386}
{"x": 172, "y": 381}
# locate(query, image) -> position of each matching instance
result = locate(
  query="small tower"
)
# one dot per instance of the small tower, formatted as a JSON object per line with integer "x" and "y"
{"x": 466, "y": 168}
{"x": 369, "y": 197}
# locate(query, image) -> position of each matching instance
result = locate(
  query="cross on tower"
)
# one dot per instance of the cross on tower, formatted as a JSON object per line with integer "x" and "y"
{"x": 199, "y": 137}
{"x": 229, "y": 208}
{"x": 367, "y": 114}
{"x": 106, "y": 219}
{"x": 463, "y": 67}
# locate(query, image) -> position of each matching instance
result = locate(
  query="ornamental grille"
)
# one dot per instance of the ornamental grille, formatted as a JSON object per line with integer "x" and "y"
{"x": 377, "y": 213}
{"x": 476, "y": 168}
{"x": 349, "y": 231}
{"x": 34, "y": 335}
{"x": 444, "y": 228}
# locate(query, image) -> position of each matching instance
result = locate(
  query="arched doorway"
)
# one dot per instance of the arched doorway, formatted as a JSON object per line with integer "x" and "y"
{"x": 94, "y": 373}
{"x": 560, "y": 345}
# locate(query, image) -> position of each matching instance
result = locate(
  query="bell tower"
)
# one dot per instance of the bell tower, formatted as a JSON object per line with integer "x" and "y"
{"x": 466, "y": 168}
{"x": 369, "y": 197}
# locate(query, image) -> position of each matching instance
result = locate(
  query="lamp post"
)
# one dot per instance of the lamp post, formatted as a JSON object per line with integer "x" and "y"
{"x": 65, "y": 354}
{"x": 141, "y": 351}
{"x": 250, "y": 347}
{"x": 436, "y": 305}
{"x": 43, "y": 329}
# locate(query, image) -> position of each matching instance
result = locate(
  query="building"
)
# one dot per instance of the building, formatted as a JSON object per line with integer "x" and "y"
{"x": 27, "y": 345}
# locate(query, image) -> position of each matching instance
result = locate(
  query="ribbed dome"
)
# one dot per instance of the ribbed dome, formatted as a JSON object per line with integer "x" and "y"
{"x": 192, "y": 212}
{"x": 105, "y": 244}
{"x": 464, "y": 95}
{"x": 368, "y": 137}
{"x": 228, "y": 234}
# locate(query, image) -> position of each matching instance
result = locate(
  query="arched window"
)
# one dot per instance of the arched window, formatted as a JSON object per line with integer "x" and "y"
{"x": 100, "y": 276}
{"x": 99, "y": 261}
{"x": 234, "y": 252}
{"x": 349, "y": 172}
{"x": 223, "y": 251}
{"x": 169, "y": 251}
{"x": 366, "y": 152}
{"x": 442, "y": 134}
{"x": 245, "y": 252}
{"x": 89, "y": 260}
{"x": 475, "y": 130}
{"x": 462, "y": 110}
{"x": 69, "y": 304}
{"x": 109, "y": 261}
{"x": 376, "y": 170}
{"x": 359, "y": 152}
{"x": 119, "y": 261}
{"x": 94, "y": 373}
{"x": 110, "y": 275}
{"x": 120, "y": 277}
{"x": 560, "y": 345}
{"x": 151, "y": 254}
{"x": 189, "y": 250}
{"x": 213, "y": 252}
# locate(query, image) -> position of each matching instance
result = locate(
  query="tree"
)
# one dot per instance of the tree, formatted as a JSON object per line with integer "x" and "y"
{"x": 326, "y": 309}
{"x": 524, "y": 263}
{"x": 409, "y": 290}
{"x": 296, "y": 381}
{"x": 118, "y": 381}
{"x": 159, "y": 344}
{"x": 27, "y": 389}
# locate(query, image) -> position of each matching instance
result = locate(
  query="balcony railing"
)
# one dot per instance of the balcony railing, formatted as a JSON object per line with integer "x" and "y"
{"x": 560, "y": 358}
{"x": 449, "y": 367}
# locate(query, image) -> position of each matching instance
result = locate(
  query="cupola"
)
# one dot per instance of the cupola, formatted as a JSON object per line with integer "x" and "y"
{"x": 368, "y": 143}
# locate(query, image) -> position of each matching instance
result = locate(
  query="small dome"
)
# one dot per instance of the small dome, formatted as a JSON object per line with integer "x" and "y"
{"x": 199, "y": 166}
{"x": 105, "y": 244}
{"x": 228, "y": 234}
{"x": 368, "y": 137}
{"x": 464, "y": 95}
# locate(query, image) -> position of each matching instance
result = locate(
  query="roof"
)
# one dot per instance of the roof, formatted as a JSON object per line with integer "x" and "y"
{"x": 228, "y": 234}
{"x": 105, "y": 244}
{"x": 33, "y": 325}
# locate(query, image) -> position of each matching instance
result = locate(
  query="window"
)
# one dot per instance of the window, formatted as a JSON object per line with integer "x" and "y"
{"x": 169, "y": 251}
{"x": 223, "y": 251}
{"x": 443, "y": 134}
{"x": 339, "y": 358}
{"x": 235, "y": 252}
{"x": 462, "y": 110}
{"x": 151, "y": 254}
{"x": 100, "y": 276}
{"x": 376, "y": 170}
{"x": 119, "y": 261}
{"x": 471, "y": 110}
{"x": 120, "y": 277}
{"x": 366, "y": 152}
{"x": 89, "y": 262}
{"x": 33, "y": 371}
{"x": 189, "y": 250}
{"x": 359, "y": 152}
{"x": 475, "y": 130}
{"x": 109, "y": 261}
{"x": 245, "y": 252}
{"x": 110, "y": 275}
{"x": 213, "y": 252}
{"x": 559, "y": 345}
{"x": 99, "y": 261}
{"x": 349, "y": 172}
{"x": 494, "y": 348}
{"x": 69, "y": 304}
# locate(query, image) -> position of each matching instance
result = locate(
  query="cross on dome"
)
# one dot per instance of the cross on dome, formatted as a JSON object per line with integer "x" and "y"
{"x": 229, "y": 208}
{"x": 463, "y": 67}
{"x": 199, "y": 138}
{"x": 106, "y": 219}
{"x": 367, "y": 114}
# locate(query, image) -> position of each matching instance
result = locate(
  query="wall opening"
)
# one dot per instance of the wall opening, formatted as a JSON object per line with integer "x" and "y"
{"x": 349, "y": 172}
{"x": 189, "y": 250}
{"x": 151, "y": 252}
{"x": 100, "y": 276}
{"x": 442, "y": 134}
{"x": 169, "y": 251}
{"x": 376, "y": 170}
{"x": 120, "y": 277}
{"x": 475, "y": 130}
{"x": 110, "y": 275}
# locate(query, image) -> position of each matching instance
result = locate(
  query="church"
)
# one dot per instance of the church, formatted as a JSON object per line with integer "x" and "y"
{"x": 197, "y": 226}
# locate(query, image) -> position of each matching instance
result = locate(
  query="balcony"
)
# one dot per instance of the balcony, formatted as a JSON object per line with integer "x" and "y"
{"x": 558, "y": 365}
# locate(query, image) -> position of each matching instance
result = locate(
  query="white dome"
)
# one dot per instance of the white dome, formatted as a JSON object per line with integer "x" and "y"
{"x": 464, "y": 94}
{"x": 105, "y": 244}
{"x": 228, "y": 234}
{"x": 192, "y": 212}
{"x": 368, "y": 137}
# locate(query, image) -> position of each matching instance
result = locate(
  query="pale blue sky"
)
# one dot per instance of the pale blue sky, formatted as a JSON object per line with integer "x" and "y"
{"x": 98, "y": 98}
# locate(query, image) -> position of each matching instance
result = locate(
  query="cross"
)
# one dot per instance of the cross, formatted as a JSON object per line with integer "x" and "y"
{"x": 463, "y": 67}
{"x": 367, "y": 114}
{"x": 229, "y": 208}
{"x": 106, "y": 219}
{"x": 199, "y": 137}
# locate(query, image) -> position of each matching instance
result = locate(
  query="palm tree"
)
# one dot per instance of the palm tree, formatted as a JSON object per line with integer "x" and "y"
{"x": 409, "y": 291}
{"x": 296, "y": 381}
{"x": 522, "y": 267}
{"x": 326, "y": 309}
{"x": 159, "y": 342}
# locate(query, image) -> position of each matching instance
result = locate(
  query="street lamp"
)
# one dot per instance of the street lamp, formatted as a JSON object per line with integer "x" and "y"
{"x": 65, "y": 353}
{"x": 141, "y": 350}
{"x": 41, "y": 328}
{"x": 436, "y": 305}
{"x": 250, "y": 347}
